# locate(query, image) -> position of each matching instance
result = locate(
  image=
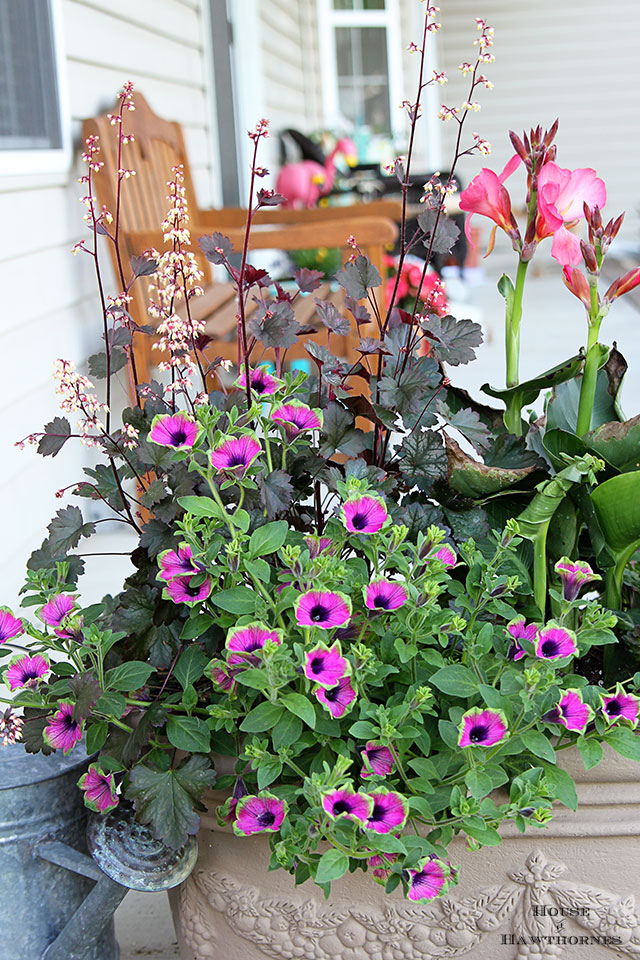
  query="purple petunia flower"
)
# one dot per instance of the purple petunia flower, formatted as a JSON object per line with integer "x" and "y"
{"x": 520, "y": 631}
{"x": 25, "y": 671}
{"x": 384, "y": 595}
{"x": 574, "y": 574}
{"x": 55, "y": 614}
{"x": 236, "y": 455}
{"x": 378, "y": 760}
{"x": 180, "y": 590}
{"x": 555, "y": 642}
{"x": 177, "y": 563}
{"x": 346, "y": 803}
{"x": 322, "y": 608}
{"x": 261, "y": 381}
{"x": 259, "y": 814}
{"x": 381, "y": 864}
{"x": 338, "y": 699}
{"x": 571, "y": 711}
{"x": 99, "y": 789}
{"x": 446, "y": 555}
{"x": 317, "y": 545}
{"x": 482, "y": 728}
{"x": 222, "y": 674}
{"x": 10, "y": 626}
{"x": 63, "y": 732}
{"x": 326, "y": 665}
{"x": 296, "y": 417}
{"x": 621, "y": 706}
{"x": 175, "y": 430}
{"x": 364, "y": 514}
{"x": 389, "y": 811}
{"x": 250, "y": 638}
{"x": 428, "y": 881}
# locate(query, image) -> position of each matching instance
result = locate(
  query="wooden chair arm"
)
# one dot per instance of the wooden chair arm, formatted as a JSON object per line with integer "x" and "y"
{"x": 299, "y": 236}
{"x": 228, "y": 217}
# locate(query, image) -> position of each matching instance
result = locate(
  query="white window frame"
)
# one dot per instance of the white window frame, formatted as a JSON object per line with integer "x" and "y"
{"x": 29, "y": 163}
{"x": 328, "y": 20}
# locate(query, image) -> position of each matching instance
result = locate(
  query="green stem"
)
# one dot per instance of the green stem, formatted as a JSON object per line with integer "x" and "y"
{"x": 513, "y": 417}
{"x": 540, "y": 567}
{"x": 590, "y": 373}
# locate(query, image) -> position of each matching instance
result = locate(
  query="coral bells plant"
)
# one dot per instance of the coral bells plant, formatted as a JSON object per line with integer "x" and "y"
{"x": 372, "y": 692}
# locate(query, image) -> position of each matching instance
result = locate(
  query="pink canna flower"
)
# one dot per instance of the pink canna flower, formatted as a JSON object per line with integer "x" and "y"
{"x": 624, "y": 284}
{"x": 99, "y": 789}
{"x": 236, "y": 455}
{"x": 338, "y": 699}
{"x": 575, "y": 281}
{"x": 10, "y": 626}
{"x": 63, "y": 732}
{"x": 25, "y": 671}
{"x": 487, "y": 195}
{"x": 562, "y": 195}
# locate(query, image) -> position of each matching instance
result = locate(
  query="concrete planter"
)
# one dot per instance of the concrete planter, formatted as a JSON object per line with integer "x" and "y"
{"x": 565, "y": 891}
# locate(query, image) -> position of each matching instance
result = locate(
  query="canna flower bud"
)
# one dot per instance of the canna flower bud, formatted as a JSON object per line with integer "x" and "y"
{"x": 589, "y": 257}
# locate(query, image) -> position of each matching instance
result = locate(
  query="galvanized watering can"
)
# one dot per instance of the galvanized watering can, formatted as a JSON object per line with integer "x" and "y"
{"x": 57, "y": 903}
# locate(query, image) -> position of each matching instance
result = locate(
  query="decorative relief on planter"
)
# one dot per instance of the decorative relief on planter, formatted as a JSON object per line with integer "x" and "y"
{"x": 539, "y": 914}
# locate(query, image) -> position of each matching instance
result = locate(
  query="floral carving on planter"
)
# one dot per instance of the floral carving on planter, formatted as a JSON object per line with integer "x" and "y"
{"x": 539, "y": 914}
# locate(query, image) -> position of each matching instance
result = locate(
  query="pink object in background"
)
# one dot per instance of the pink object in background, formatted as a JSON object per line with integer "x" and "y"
{"x": 305, "y": 182}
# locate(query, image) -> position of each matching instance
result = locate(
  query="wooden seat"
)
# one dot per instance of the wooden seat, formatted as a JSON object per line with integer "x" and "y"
{"x": 158, "y": 146}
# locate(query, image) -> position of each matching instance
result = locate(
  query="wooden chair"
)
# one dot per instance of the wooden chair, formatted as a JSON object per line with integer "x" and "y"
{"x": 159, "y": 146}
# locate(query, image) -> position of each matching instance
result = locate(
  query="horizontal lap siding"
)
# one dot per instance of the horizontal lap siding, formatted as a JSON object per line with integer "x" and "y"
{"x": 50, "y": 306}
{"x": 573, "y": 60}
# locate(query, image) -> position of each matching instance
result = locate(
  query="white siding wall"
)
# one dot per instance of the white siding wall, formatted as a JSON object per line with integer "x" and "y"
{"x": 49, "y": 302}
{"x": 574, "y": 60}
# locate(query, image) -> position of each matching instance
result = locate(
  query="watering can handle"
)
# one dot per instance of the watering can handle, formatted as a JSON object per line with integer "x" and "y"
{"x": 83, "y": 929}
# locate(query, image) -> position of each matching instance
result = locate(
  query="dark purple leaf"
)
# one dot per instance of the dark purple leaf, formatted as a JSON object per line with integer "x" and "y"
{"x": 274, "y": 325}
{"x": 468, "y": 423}
{"x": 308, "y": 280}
{"x": 371, "y": 345}
{"x": 358, "y": 276}
{"x": 276, "y": 492}
{"x": 446, "y": 231}
{"x": 340, "y": 433}
{"x": 267, "y": 198}
{"x": 358, "y": 310}
{"x": 423, "y": 459}
{"x": 453, "y": 341}
{"x": 143, "y": 266}
{"x": 98, "y": 363}
{"x": 86, "y": 691}
{"x": 329, "y": 315}
{"x": 217, "y": 248}
{"x": 66, "y": 529}
{"x": 255, "y": 275}
{"x": 56, "y": 434}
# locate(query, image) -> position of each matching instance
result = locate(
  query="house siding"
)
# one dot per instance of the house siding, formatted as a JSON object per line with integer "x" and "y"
{"x": 49, "y": 308}
{"x": 573, "y": 60}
